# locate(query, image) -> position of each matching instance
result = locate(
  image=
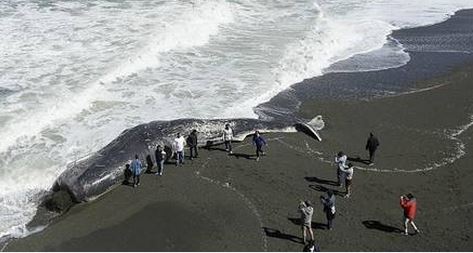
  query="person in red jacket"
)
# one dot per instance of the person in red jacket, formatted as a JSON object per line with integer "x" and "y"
{"x": 409, "y": 204}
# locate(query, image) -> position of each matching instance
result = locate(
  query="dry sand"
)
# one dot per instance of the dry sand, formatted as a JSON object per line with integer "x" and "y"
{"x": 233, "y": 203}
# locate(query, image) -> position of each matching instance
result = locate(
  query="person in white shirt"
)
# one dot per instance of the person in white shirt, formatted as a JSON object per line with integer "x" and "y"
{"x": 227, "y": 137}
{"x": 348, "y": 177}
{"x": 340, "y": 161}
{"x": 179, "y": 143}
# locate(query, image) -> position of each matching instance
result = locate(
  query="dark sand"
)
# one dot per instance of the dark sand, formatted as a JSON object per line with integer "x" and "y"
{"x": 191, "y": 208}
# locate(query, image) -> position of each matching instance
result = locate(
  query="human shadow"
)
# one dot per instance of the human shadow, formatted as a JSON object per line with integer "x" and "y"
{"x": 278, "y": 234}
{"x": 316, "y": 225}
{"x": 246, "y": 156}
{"x": 373, "y": 224}
{"x": 321, "y": 181}
{"x": 213, "y": 148}
{"x": 321, "y": 188}
{"x": 359, "y": 160}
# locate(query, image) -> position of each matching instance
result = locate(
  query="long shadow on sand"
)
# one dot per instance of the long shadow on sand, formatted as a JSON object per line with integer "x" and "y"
{"x": 246, "y": 156}
{"x": 321, "y": 181}
{"x": 321, "y": 188}
{"x": 315, "y": 225}
{"x": 277, "y": 234}
{"x": 373, "y": 224}
{"x": 359, "y": 160}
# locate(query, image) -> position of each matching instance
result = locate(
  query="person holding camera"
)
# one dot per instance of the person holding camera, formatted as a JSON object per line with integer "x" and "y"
{"x": 306, "y": 210}
{"x": 409, "y": 205}
{"x": 329, "y": 207}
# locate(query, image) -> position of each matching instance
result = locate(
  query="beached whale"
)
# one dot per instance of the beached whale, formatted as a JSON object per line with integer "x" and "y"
{"x": 92, "y": 176}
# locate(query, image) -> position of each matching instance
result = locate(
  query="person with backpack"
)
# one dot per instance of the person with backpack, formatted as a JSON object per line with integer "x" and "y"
{"x": 227, "y": 137}
{"x": 160, "y": 155}
{"x": 136, "y": 167}
{"x": 329, "y": 208}
{"x": 409, "y": 205}
{"x": 192, "y": 143}
{"x": 306, "y": 210}
{"x": 259, "y": 142}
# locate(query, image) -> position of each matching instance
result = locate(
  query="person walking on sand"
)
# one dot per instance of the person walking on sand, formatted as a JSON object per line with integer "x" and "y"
{"x": 192, "y": 143}
{"x": 136, "y": 167}
{"x": 259, "y": 142}
{"x": 179, "y": 143}
{"x": 227, "y": 137}
{"x": 371, "y": 145}
{"x": 306, "y": 210}
{"x": 340, "y": 161}
{"x": 160, "y": 155}
{"x": 329, "y": 208}
{"x": 348, "y": 175}
{"x": 409, "y": 205}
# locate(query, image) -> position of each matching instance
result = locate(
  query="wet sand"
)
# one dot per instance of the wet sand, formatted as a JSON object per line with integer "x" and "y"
{"x": 233, "y": 203}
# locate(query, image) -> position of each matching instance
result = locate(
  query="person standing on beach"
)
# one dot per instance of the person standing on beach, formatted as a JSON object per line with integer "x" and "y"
{"x": 127, "y": 173}
{"x": 329, "y": 208}
{"x": 409, "y": 205}
{"x": 160, "y": 158}
{"x": 149, "y": 164}
{"x": 371, "y": 145}
{"x": 340, "y": 161}
{"x": 179, "y": 143}
{"x": 306, "y": 210}
{"x": 136, "y": 167}
{"x": 192, "y": 143}
{"x": 348, "y": 175}
{"x": 227, "y": 138}
{"x": 259, "y": 142}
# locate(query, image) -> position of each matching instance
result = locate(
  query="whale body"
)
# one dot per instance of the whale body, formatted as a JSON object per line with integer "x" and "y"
{"x": 95, "y": 174}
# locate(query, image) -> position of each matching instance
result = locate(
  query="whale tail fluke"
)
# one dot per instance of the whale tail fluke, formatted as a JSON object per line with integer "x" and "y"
{"x": 312, "y": 127}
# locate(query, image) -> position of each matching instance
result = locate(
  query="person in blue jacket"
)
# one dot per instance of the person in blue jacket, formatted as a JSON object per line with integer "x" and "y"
{"x": 259, "y": 142}
{"x": 136, "y": 167}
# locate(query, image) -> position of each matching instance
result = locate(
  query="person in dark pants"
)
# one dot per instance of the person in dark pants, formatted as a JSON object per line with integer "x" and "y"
{"x": 149, "y": 164}
{"x": 371, "y": 145}
{"x": 227, "y": 137}
{"x": 259, "y": 142}
{"x": 128, "y": 174}
{"x": 136, "y": 167}
{"x": 192, "y": 143}
{"x": 329, "y": 208}
{"x": 160, "y": 155}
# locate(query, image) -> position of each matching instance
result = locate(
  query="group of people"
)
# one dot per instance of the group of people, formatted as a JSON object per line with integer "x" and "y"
{"x": 345, "y": 175}
{"x": 135, "y": 168}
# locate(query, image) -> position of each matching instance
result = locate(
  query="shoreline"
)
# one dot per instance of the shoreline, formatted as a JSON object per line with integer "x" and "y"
{"x": 293, "y": 169}
{"x": 323, "y": 105}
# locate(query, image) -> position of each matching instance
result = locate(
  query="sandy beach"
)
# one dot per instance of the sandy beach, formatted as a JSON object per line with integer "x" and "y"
{"x": 233, "y": 203}
{"x": 422, "y": 113}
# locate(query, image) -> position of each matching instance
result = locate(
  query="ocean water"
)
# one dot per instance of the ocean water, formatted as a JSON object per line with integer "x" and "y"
{"x": 74, "y": 74}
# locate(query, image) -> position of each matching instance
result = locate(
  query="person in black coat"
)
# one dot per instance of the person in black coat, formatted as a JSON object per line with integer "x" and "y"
{"x": 192, "y": 143}
{"x": 371, "y": 145}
